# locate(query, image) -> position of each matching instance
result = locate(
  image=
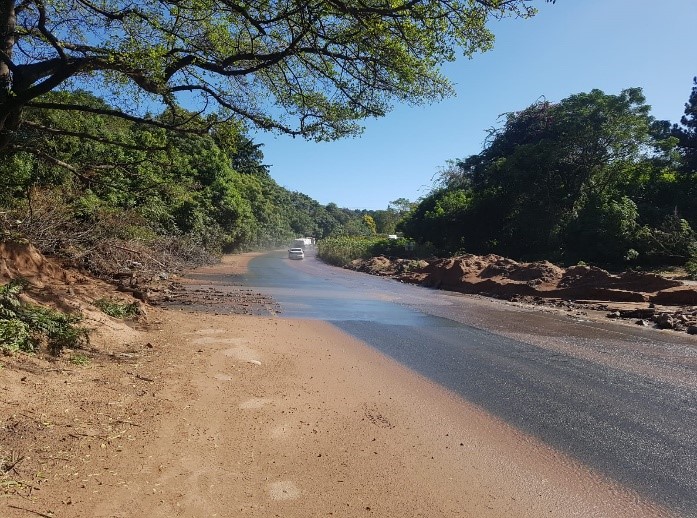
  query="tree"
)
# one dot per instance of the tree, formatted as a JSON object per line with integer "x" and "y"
{"x": 685, "y": 185}
{"x": 369, "y": 222}
{"x": 554, "y": 181}
{"x": 386, "y": 221}
{"x": 303, "y": 68}
{"x": 686, "y": 132}
{"x": 440, "y": 220}
{"x": 401, "y": 206}
{"x": 192, "y": 189}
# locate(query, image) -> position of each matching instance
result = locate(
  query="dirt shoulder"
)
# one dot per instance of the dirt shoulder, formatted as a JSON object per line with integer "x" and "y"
{"x": 200, "y": 415}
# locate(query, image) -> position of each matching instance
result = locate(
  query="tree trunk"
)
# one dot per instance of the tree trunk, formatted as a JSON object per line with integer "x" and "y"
{"x": 9, "y": 115}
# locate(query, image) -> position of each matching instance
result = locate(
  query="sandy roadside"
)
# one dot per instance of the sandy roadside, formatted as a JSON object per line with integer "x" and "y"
{"x": 203, "y": 415}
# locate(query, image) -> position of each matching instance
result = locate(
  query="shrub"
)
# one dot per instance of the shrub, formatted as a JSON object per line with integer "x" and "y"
{"x": 25, "y": 327}
{"x": 341, "y": 250}
{"x": 691, "y": 264}
{"x": 402, "y": 247}
{"x": 14, "y": 335}
{"x": 117, "y": 308}
{"x": 80, "y": 360}
{"x": 671, "y": 243}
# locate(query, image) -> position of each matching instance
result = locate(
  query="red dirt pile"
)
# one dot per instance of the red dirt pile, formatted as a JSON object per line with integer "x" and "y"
{"x": 22, "y": 260}
{"x": 50, "y": 283}
{"x": 501, "y": 277}
{"x": 385, "y": 267}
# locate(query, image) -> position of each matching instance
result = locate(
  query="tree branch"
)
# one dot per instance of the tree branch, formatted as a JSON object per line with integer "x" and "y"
{"x": 95, "y": 138}
{"x": 262, "y": 122}
{"x": 47, "y": 34}
{"x": 116, "y": 113}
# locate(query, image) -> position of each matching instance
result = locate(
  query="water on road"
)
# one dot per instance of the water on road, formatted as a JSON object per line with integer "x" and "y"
{"x": 621, "y": 400}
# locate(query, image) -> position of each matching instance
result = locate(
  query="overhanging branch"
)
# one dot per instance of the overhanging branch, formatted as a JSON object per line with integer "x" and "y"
{"x": 95, "y": 138}
{"x": 180, "y": 127}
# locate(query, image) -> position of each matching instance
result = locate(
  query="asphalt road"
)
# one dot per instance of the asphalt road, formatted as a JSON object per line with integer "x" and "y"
{"x": 621, "y": 400}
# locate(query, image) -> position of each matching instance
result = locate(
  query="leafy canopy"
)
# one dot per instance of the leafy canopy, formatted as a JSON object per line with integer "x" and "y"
{"x": 312, "y": 68}
{"x": 592, "y": 177}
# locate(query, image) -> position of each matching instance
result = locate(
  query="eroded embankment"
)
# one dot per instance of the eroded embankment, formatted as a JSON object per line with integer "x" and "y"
{"x": 645, "y": 297}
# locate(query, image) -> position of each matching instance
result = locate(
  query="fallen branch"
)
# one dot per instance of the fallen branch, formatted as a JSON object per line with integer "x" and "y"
{"x": 10, "y": 467}
{"x": 138, "y": 253}
{"x": 37, "y": 513}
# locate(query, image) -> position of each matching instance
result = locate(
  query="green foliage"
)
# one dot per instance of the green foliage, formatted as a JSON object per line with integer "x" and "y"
{"x": 341, "y": 250}
{"x": 602, "y": 231}
{"x": 686, "y": 133}
{"x": 25, "y": 327}
{"x": 314, "y": 69}
{"x": 671, "y": 242}
{"x": 403, "y": 248}
{"x": 438, "y": 220}
{"x": 117, "y": 309}
{"x": 209, "y": 190}
{"x": 14, "y": 335}
{"x": 369, "y": 222}
{"x": 691, "y": 264}
{"x": 593, "y": 177}
{"x": 80, "y": 360}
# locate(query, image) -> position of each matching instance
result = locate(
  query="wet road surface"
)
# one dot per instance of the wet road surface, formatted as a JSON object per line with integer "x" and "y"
{"x": 621, "y": 400}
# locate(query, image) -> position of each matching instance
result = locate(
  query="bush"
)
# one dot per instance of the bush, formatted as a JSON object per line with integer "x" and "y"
{"x": 25, "y": 327}
{"x": 341, "y": 250}
{"x": 691, "y": 264}
{"x": 14, "y": 335}
{"x": 671, "y": 243}
{"x": 117, "y": 308}
{"x": 403, "y": 248}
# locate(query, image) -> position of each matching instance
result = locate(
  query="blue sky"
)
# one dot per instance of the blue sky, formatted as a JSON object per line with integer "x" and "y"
{"x": 569, "y": 47}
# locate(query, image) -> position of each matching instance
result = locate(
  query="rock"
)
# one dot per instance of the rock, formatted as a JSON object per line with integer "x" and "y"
{"x": 613, "y": 314}
{"x": 637, "y": 313}
{"x": 642, "y": 322}
{"x": 692, "y": 330}
{"x": 664, "y": 321}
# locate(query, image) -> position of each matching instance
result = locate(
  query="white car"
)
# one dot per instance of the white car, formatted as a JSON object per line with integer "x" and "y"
{"x": 296, "y": 253}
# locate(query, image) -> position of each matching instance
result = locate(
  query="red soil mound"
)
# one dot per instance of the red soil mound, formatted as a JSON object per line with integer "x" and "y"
{"x": 22, "y": 260}
{"x": 502, "y": 277}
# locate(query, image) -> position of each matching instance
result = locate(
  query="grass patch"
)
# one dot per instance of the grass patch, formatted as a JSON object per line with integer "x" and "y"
{"x": 118, "y": 309}
{"x": 80, "y": 360}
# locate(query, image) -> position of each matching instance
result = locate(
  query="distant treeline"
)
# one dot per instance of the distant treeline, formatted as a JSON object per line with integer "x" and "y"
{"x": 74, "y": 180}
{"x": 591, "y": 178}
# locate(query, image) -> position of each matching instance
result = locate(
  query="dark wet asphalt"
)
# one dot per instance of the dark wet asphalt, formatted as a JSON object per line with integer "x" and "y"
{"x": 638, "y": 429}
